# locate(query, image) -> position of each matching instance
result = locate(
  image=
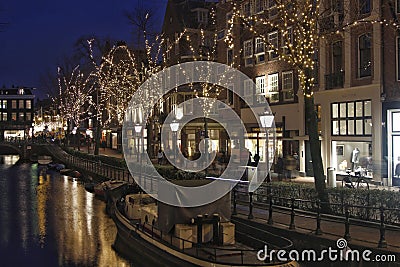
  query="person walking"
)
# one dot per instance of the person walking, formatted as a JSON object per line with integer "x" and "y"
{"x": 160, "y": 157}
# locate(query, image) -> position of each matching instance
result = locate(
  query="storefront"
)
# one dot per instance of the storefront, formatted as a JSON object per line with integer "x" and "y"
{"x": 393, "y": 133}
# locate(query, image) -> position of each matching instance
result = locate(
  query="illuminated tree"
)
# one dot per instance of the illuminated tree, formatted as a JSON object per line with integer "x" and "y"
{"x": 74, "y": 99}
{"x": 292, "y": 32}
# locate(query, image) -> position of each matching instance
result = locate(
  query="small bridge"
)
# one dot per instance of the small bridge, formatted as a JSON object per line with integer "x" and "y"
{"x": 12, "y": 148}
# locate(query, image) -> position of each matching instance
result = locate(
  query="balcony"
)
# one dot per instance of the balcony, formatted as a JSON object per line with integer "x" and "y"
{"x": 334, "y": 80}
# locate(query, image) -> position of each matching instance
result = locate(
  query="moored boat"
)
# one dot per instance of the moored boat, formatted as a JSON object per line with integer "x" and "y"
{"x": 202, "y": 240}
{"x": 44, "y": 160}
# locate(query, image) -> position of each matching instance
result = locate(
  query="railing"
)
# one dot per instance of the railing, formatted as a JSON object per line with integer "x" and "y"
{"x": 334, "y": 80}
{"x": 384, "y": 217}
{"x": 220, "y": 255}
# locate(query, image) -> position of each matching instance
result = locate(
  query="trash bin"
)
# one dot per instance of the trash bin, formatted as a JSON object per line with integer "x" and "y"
{"x": 331, "y": 173}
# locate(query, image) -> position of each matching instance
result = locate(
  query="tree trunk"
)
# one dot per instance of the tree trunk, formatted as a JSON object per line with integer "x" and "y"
{"x": 315, "y": 149}
{"x": 97, "y": 138}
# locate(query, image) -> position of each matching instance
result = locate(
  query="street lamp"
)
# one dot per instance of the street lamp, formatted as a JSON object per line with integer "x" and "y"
{"x": 267, "y": 120}
{"x": 65, "y": 135}
{"x": 88, "y": 140}
{"x": 74, "y": 133}
{"x": 174, "y": 128}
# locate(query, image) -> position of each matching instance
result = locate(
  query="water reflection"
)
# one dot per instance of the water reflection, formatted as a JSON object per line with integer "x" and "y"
{"x": 47, "y": 219}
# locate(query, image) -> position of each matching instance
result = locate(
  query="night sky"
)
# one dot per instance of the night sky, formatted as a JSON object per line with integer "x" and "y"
{"x": 40, "y": 33}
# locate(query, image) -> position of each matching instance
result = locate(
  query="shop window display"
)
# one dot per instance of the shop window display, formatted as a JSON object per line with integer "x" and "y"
{"x": 354, "y": 156}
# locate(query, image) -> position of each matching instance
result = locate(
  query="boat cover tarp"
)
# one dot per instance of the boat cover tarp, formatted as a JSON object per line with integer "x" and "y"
{"x": 169, "y": 215}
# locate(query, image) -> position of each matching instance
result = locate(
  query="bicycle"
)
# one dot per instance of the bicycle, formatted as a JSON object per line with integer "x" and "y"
{"x": 361, "y": 182}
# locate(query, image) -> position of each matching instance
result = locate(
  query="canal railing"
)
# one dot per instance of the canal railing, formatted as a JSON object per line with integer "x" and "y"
{"x": 244, "y": 203}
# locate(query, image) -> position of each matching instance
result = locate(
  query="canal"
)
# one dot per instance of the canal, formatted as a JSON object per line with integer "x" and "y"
{"x": 51, "y": 220}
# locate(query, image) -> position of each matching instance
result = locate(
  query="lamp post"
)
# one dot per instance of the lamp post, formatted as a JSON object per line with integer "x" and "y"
{"x": 74, "y": 133}
{"x": 88, "y": 140}
{"x": 267, "y": 120}
{"x": 65, "y": 135}
{"x": 174, "y": 128}
{"x": 138, "y": 130}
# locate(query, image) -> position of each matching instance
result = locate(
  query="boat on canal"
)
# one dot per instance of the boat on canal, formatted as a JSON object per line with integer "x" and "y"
{"x": 180, "y": 236}
{"x": 44, "y": 160}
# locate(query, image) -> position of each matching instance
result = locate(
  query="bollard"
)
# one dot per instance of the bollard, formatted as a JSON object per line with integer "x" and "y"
{"x": 292, "y": 214}
{"x": 270, "y": 221}
{"x": 234, "y": 212}
{"x": 318, "y": 231}
{"x": 250, "y": 206}
{"x": 382, "y": 242}
{"x": 347, "y": 235}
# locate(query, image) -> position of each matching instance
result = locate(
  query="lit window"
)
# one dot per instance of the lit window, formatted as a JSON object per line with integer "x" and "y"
{"x": 273, "y": 88}
{"x": 14, "y": 104}
{"x": 4, "y": 116}
{"x": 260, "y": 89}
{"x": 21, "y": 104}
{"x": 14, "y": 116}
{"x": 28, "y": 104}
{"x": 273, "y": 40}
{"x": 287, "y": 85}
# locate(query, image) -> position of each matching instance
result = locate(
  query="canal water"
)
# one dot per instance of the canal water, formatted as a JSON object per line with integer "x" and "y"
{"x": 47, "y": 219}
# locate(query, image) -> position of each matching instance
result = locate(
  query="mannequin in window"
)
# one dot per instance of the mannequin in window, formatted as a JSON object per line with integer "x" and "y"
{"x": 355, "y": 155}
{"x": 397, "y": 170}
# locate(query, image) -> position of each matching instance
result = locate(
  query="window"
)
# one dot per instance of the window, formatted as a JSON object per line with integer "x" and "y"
{"x": 229, "y": 94}
{"x": 220, "y": 34}
{"x": 4, "y": 116}
{"x": 21, "y": 104}
{"x": 273, "y": 88}
{"x": 21, "y": 91}
{"x": 246, "y": 9}
{"x": 14, "y": 104}
{"x": 14, "y": 116}
{"x": 272, "y": 10}
{"x": 364, "y": 6}
{"x": 352, "y": 118}
{"x": 260, "y": 89}
{"x": 337, "y": 56}
{"x": 258, "y": 6}
{"x": 248, "y": 91}
{"x": 3, "y": 104}
{"x": 28, "y": 104}
{"x": 287, "y": 85}
{"x": 21, "y": 116}
{"x": 398, "y": 6}
{"x": 259, "y": 45}
{"x": 202, "y": 16}
{"x": 229, "y": 56}
{"x": 28, "y": 116}
{"x": 248, "y": 52}
{"x": 273, "y": 40}
{"x": 259, "y": 50}
{"x": 287, "y": 39}
{"x": 364, "y": 47}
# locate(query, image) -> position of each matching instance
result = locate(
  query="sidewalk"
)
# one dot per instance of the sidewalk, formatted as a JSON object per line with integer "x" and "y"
{"x": 332, "y": 230}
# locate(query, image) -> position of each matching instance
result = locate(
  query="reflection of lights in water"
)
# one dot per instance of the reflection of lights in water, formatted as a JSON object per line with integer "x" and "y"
{"x": 23, "y": 210}
{"x": 10, "y": 159}
{"x": 42, "y": 191}
{"x": 89, "y": 211}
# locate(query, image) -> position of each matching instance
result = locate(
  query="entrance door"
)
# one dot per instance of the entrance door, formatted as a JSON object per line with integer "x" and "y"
{"x": 308, "y": 163}
{"x": 393, "y": 146}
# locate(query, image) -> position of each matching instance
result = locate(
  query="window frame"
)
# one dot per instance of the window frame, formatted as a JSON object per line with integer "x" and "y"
{"x": 353, "y": 117}
{"x": 360, "y": 50}
{"x": 248, "y": 52}
{"x": 270, "y": 92}
{"x": 272, "y": 55}
{"x": 364, "y": 7}
{"x": 286, "y": 90}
